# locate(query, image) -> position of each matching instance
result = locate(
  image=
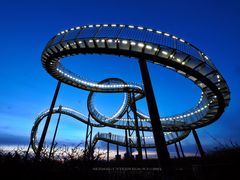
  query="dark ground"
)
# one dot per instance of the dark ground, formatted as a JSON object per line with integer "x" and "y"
{"x": 219, "y": 164}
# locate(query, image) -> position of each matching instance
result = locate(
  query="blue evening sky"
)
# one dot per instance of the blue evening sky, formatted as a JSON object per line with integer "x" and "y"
{"x": 26, "y": 88}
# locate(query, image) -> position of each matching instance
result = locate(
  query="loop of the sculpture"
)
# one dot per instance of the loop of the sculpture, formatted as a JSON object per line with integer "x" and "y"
{"x": 145, "y": 44}
{"x": 99, "y": 117}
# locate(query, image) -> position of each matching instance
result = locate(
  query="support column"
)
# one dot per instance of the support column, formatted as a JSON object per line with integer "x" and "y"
{"x": 144, "y": 141}
{"x": 160, "y": 142}
{"x": 180, "y": 145}
{"x": 178, "y": 154}
{"x": 91, "y": 149}
{"x": 202, "y": 153}
{"x": 40, "y": 145}
{"x": 126, "y": 141}
{"x": 55, "y": 133}
{"x": 107, "y": 151}
{"x": 117, "y": 150}
{"x": 118, "y": 157}
{"x": 86, "y": 137}
{"x": 139, "y": 149}
{"x": 29, "y": 145}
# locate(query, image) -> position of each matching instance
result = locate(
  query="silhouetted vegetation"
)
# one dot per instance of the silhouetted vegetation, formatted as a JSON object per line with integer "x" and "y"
{"x": 67, "y": 162}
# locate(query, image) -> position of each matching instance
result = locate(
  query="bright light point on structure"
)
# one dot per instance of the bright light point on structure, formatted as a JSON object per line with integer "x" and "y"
{"x": 80, "y": 42}
{"x": 103, "y": 40}
{"x": 206, "y": 57}
{"x": 178, "y": 60}
{"x": 166, "y": 34}
{"x": 174, "y": 37}
{"x": 113, "y": 25}
{"x": 78, "y": 27}
{"x": 62, "y": 32}
{"x": 218, "y": 76}
{"x": 131, "y": 26}
{"x": 171, "y": 56}
{"x": 121, "y": 25}
{"x": 165, "y": 52}
{"x": 150, "y": 30}
{"x": 181, "y": 40}
{"x": 133, "y": 43}
{"x": 183, "y": 63}
{"x": 140, "y": 44}
{"x": 72, "y": 29}
{"x": 124, "y": 41}
{"x": 148, "y": 47}
{"x": 90, "y": 26}
{"x": 159, "y": 32}
{"x": 110, "y": 40}
{"x": 90, "y": 41}
{"x": 105, "y": 25}
{"x": 141, "y": 28}
{"x": 98, "y": 25}
{"x": 97, "y": 40}
{"x": 155, "y": 49}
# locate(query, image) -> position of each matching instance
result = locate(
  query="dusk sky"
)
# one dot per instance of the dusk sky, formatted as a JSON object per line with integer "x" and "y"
{"x": 26, "y": 89}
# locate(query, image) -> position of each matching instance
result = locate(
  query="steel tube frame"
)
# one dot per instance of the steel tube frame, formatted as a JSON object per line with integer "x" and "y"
{"x": 180, "y": 145}
{"x": 201, "y": 151}
{"x": 161, "y": 147}
{"x": 139, "y": 148}
{"x": 55, "y": 133}
{"x": 176, "y": 147}
{"x": 40, "y": 145}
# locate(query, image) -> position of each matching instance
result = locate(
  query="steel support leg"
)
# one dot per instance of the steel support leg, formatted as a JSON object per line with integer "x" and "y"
{"x": 117, "y": 150}
{"x": 161, "y": 147}
{"x": 180, "y": 145}
{"x": 139, "y": 148}
{"x": 176, "y": 147}
{"x": 55, "y": 133}
{"x": 126, "y": 141}
{"x": 144, "y": 141}
{"x": 91, "y": 149}
{"x": 40, "y": 145}
{"x": 86, "y": 138}
{"x": 29, "y": 145}
{"x": 202, "y": 153}
{"x": 107, "y": 151}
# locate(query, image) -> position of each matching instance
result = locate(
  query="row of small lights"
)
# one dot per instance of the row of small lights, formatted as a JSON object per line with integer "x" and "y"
{"x": 192, "y": 113}
{"x": 121, "y": 25}
{"x": 131, "y": 26}
{"x": 147, "y": 137}
{"x": 94, "y": 84}
{"x": 174, "y": 118}
{"x": 132, "y": 43}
